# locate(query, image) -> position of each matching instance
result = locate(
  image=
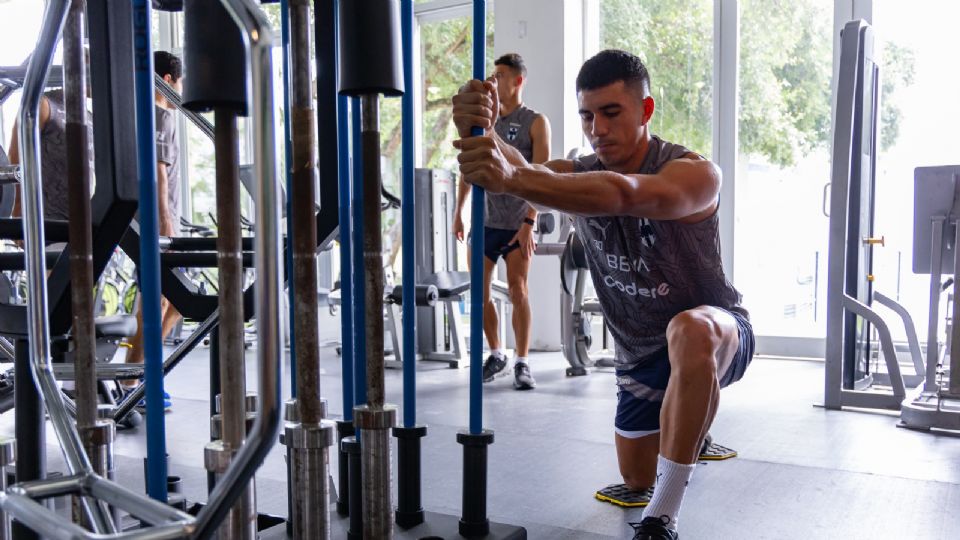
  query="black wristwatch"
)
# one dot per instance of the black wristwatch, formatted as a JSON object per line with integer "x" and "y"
{"x": 528, "y": 221}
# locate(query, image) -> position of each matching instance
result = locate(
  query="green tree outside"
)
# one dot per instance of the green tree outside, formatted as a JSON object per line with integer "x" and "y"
{"x": 785, "y": 72}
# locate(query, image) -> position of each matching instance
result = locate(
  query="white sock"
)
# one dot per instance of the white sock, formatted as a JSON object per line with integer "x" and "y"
{"x": 521, "y": 360}
{"x": 498, "y": 353}
{"x": 672, "y": 480}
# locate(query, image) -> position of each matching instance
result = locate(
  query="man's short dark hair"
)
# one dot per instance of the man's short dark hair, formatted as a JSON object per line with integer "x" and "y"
{"x": 610, "y": 66}
{"x": 165, "y": 64}
{"x": 513, "y": 61}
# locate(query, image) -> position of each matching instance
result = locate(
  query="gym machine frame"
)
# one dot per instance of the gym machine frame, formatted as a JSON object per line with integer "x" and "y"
{"x": 936, "y": 404}
{"x": 19, "y": 500}
{"x": 850, "y": 280}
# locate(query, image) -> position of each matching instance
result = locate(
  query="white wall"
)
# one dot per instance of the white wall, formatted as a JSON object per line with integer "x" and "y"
{"x": 548, "y": 34}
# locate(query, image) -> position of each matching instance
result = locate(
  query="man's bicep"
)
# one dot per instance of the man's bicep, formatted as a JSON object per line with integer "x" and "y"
{"x": 562, "y": 166}
{"x": 684, "y": 186}
{"x": 540, "y": 133}
{"x": 165, "y": 142}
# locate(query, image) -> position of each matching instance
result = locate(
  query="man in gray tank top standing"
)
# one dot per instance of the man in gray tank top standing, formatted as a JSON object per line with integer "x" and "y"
{"x": 647, "y": 213}
{"x": 170, "y": 68}
{"x": 508, "y": 230}
{"x": 53, "y": 156}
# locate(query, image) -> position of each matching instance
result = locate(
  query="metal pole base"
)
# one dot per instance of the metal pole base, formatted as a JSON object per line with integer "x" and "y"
{"x": 8, "y": 456}
{"x": 251, "y": 403}
{"x": 309, "y": 450}
{"x": 290, "y": 414}
{"x": 474, "y": 522}
{"x": 98, "y": 442}
{"x": 344, "y": 429}
{"x": 241, "y": 521}
{"x": 351, "y": 447}
{"x": 409, "y": 507}
{"x": 216, "y": 424}
{"x": 377, "y": 494}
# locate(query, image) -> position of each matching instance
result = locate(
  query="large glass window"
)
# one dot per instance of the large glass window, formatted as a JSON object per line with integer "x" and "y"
{"x": 446, "y": 62}
{"x": 674, "y": 38}
{"x": 783, "y": 163}
{"x": 918, "y": 112}
{"x": 16, "y": 43}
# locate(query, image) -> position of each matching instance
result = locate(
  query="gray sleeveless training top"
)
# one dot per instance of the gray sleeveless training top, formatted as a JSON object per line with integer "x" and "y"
{"x": 647, "y": 271}
{"x": 53, "y": 158}
{"x": 168, "y": 151}
{"x": 506, "y": 211}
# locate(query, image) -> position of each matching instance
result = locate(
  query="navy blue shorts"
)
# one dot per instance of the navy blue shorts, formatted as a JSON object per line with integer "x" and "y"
{"x": 496, "y": 242}
{"x": 640, "y": 390}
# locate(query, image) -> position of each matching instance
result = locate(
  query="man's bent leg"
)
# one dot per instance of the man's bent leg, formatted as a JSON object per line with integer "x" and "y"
{"x": 701, "y": 344}
{"x": 518, "y": 269}
{"x": 170, "y": 317}
{"x": 135, "y": 351}
{"x": 640, "y": 391}
{"x": 489, "y": 310}
{"x": 491, "y": 322}
{"x": 637, "y": 458}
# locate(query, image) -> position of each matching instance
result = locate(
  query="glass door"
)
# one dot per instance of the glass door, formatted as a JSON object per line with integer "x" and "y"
{"x": 918, "y": 111}
{"x": 783, "y": 164}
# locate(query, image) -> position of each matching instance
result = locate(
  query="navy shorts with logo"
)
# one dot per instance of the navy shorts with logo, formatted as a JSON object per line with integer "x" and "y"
{"x": 496, "y": 242}
{"x": 640, "y": 389}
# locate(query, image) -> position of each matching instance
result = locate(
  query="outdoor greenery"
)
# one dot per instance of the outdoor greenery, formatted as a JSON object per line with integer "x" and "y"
{"x": 784, "y": 83}
{"x": 785, "y": 71}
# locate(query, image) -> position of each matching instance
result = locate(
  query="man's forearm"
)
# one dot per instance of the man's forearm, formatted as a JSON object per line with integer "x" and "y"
{"x": 163, "y": 209}
{"x": 514, "y": 156}
{"x": 587, "y": 194}
{"x": 463, "y": 190}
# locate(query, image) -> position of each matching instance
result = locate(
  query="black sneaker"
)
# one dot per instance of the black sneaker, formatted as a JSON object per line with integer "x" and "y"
{"x": 493, "y": 367}
{"x": 522, "y": 379}
{"x": 654, "y": 528}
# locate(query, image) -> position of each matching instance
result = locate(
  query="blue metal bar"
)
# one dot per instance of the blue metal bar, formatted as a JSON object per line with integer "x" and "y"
{"x": 288, "y": 153}
{"x": 359, "y": 296}
{"x": 476, "y": 240}
{"x": 407, "y": 218}
{"x": 346, "y": 261}
{"x": 150, "y": 253}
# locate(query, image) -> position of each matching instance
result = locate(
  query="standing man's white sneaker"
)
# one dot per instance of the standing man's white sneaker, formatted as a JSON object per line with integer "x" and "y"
{"x": 522, "y": 378}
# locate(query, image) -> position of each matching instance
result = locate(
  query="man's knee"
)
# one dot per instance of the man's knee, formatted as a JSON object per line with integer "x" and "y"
{"x": 517, "y": 290}
{"x": 487, "y": 299}
{"x": 696, "y": 338}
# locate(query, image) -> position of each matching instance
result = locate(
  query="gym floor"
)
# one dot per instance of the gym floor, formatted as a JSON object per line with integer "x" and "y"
{"x": 802, "y": 472}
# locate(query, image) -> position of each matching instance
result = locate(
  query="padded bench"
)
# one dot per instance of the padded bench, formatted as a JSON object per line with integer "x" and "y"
{"x": 450, "y": 288}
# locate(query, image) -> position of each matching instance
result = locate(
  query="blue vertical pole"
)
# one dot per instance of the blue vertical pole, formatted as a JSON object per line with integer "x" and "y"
{"x": 408, "y": 225}
{"x": 359, "y": 296}
{"x": 476, "y": 240}
{"x": 288, "y": 153}
{"x": 346, "y": 261}
{"x": 150, "y": 253}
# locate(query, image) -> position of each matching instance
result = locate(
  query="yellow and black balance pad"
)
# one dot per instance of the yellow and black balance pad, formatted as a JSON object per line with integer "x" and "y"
{"x": 621, "y": 495}
{"x": 712, "y": 451}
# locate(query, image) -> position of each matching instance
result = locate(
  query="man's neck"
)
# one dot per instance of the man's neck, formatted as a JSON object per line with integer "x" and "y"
{"x": 161, "y": 102}
{"x": 632, "y": 166}
{"x": 509, "y": 105}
